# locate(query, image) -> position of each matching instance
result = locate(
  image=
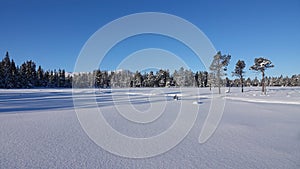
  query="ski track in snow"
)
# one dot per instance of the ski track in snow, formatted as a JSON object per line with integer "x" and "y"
{"x": 39, "y": 128}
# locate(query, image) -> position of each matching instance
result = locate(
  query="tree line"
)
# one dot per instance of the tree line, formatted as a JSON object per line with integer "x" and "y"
{"x": 28, "y": 75}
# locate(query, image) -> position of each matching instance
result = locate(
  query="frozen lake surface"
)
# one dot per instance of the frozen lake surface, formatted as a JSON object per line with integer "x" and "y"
{"x": 39, "y": 128}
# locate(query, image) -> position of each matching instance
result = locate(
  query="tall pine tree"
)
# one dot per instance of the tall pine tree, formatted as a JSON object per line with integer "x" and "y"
{"x": 261, "y": 64}
{"x": 239, "y": 72}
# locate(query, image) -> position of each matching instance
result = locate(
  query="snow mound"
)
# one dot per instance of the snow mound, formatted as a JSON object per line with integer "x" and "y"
{"x": 197, "y": 102}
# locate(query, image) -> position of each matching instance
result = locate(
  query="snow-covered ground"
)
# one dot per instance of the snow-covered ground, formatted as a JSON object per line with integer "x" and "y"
{"x": 39, "y": 128}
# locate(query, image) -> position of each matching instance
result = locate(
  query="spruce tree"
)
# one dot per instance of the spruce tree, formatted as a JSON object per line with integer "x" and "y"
{"x": 51, "y": 79}
{"x": 61, "y": 78}
{"x": 23, "y": 76}
{"x": 40, "y": 77}
{"x": 30, "y": 72}
{"x": 14, "y": 73}
{"x": 55, "y": 79}
{"x": 46, "y": 79}
{"x": 7, "y": 72}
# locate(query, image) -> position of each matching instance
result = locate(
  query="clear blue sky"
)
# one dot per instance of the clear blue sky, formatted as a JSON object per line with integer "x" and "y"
{"x": 52, "y": 33}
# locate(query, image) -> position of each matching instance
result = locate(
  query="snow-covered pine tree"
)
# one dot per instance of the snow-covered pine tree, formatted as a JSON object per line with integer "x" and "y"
{"x": 287, "y": 81}
{"x": 151, "y": 79}
{"x": 138, "y": 79}
{"x": 200, "y": 79}
{"x": 179, "y": 78}
{"x": 106, "y": 81}
{"x": 294, "y": 80}
{"x": 218, "y": 67}
{"x": 191, "y": 82}
{"x": 261, "y": 64}
{"x": 161, "y": 78}
{"x": 75, "y": 79}
{"x": 69, "y": 80}
{"x": 97, "y": 78}
{"x": 91, "y": 79}
{"x": 197, "y": 79}
{"x": 205, "y": 78}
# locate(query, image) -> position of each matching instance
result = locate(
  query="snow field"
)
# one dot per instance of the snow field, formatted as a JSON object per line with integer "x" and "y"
{"x": 39, "y": 128}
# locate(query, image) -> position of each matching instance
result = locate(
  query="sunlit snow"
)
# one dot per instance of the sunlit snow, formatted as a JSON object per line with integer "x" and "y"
{"x": 39, "y": 128}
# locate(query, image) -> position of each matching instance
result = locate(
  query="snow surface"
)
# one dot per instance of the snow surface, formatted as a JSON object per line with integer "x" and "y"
{"x": 39, "y": 129}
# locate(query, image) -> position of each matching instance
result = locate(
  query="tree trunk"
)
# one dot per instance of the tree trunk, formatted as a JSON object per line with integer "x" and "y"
{"x": 242, "y": 88}
{"x": 219, "y": 88}
{"x": 219, "y": 84}
{"x": 219, "y": 79}
{"x": 242, "y": 81}
{"x": 263, "y": 82}
{"x": 219, "y": 76}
